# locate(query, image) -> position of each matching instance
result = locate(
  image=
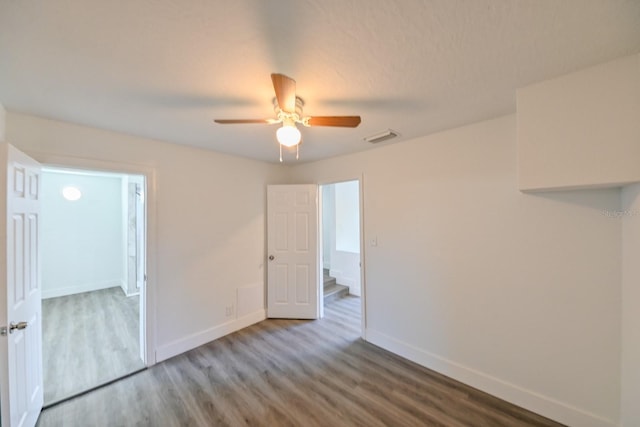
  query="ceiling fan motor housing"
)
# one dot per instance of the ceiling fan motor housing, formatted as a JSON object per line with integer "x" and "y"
{"x": 297, "y": 116}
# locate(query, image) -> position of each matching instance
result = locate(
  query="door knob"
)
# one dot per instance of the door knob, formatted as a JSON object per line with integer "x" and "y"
{"x": 271, "y": 257}
{"x": 19, "y": 326}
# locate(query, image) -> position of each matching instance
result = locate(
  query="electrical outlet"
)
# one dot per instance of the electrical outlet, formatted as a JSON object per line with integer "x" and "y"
{"x": 229, "y": 310}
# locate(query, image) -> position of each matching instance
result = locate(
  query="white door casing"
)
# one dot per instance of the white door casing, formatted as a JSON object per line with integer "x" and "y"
{"x": 292, "y": 251}
{"x": 141, "y": 262}
{"x": 147, "y": 297}
{"x": 21, "y": 389}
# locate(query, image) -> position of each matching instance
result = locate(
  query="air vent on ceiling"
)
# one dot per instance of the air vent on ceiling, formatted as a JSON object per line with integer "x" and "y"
{"x": 381, "y": 136}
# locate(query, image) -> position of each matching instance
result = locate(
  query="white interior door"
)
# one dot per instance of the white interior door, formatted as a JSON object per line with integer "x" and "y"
{"x": 21, "y": 392}
{"x": 292, "y": 251}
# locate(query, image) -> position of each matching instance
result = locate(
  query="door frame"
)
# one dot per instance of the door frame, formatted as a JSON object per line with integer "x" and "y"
{"x": 148, "y": 297}
{"x": 363, "y": 286}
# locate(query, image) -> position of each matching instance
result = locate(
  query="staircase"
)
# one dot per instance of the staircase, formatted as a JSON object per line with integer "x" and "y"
{"x": 333, "y": 291}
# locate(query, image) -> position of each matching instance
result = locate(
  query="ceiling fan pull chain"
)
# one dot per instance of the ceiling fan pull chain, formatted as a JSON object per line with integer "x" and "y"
{"x": 280, "y": 152}
{"x": 297, "y": 151}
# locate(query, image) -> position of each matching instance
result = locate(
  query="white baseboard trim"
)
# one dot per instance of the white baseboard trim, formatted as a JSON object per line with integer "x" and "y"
{"x": 87, "y": 287}
{"x": 199, "y": 338}
{"x": 528, "y": 399}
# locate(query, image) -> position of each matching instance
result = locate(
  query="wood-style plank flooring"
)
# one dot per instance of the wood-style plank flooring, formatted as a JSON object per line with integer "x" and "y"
{"x": 88, "y": 339}
{"x": 290, "y": 373}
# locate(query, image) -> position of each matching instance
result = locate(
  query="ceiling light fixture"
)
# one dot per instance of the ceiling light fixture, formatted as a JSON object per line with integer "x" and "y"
{"x": 71, "y": 193}
{"x": 288, "y": 135}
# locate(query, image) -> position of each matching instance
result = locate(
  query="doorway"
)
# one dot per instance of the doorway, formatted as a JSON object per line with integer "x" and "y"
{"x": 93, "y": 279}
{"x": 340, "y": 251}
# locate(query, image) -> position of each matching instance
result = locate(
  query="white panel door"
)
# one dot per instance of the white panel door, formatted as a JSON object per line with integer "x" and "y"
{"x": 292, "y": 251}
{"x": 21, "y": 391}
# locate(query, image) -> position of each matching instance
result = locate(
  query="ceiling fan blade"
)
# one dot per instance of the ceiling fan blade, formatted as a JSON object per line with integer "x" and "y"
{"x": 240, "y": 121}
{"x": 339, "y": 121}
{"x": 285, "y": 88}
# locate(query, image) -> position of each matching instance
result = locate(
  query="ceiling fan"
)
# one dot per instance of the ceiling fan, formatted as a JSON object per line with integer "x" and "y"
{"x": 288, "y": 109}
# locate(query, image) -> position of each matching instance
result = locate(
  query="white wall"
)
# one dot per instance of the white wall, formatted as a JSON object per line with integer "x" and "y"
{"x": 581, "y": 129}
{"x": 629, "y": 214}
{"x": 347, "y": 206}
{"x": 345, "y": 254}
{"x": 209, "y": 235}
{"x": 81, "y": 241}
{"x": 512, "y": 293}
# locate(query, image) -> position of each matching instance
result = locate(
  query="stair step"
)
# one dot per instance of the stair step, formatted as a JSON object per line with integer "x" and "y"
{"x": 329, "y": 281}
{"x": 334, "y": 292}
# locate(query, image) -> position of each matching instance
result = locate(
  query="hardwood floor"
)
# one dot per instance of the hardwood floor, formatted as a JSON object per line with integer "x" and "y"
{"x": 88, "y": 339}
{"x": 290, "y": 373}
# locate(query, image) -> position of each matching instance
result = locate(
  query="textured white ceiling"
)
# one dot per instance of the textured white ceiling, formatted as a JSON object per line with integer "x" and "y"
{"x": 164, "y": 69}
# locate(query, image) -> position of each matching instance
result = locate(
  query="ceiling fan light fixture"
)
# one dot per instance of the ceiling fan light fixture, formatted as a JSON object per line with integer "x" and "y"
{"x": 288, "y": 135}
{"x": 288, "y": 108}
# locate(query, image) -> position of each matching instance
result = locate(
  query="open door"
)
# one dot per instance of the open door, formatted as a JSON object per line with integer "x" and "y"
{"x": 21, "y": 391}
{"x": 292, "y": 251}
